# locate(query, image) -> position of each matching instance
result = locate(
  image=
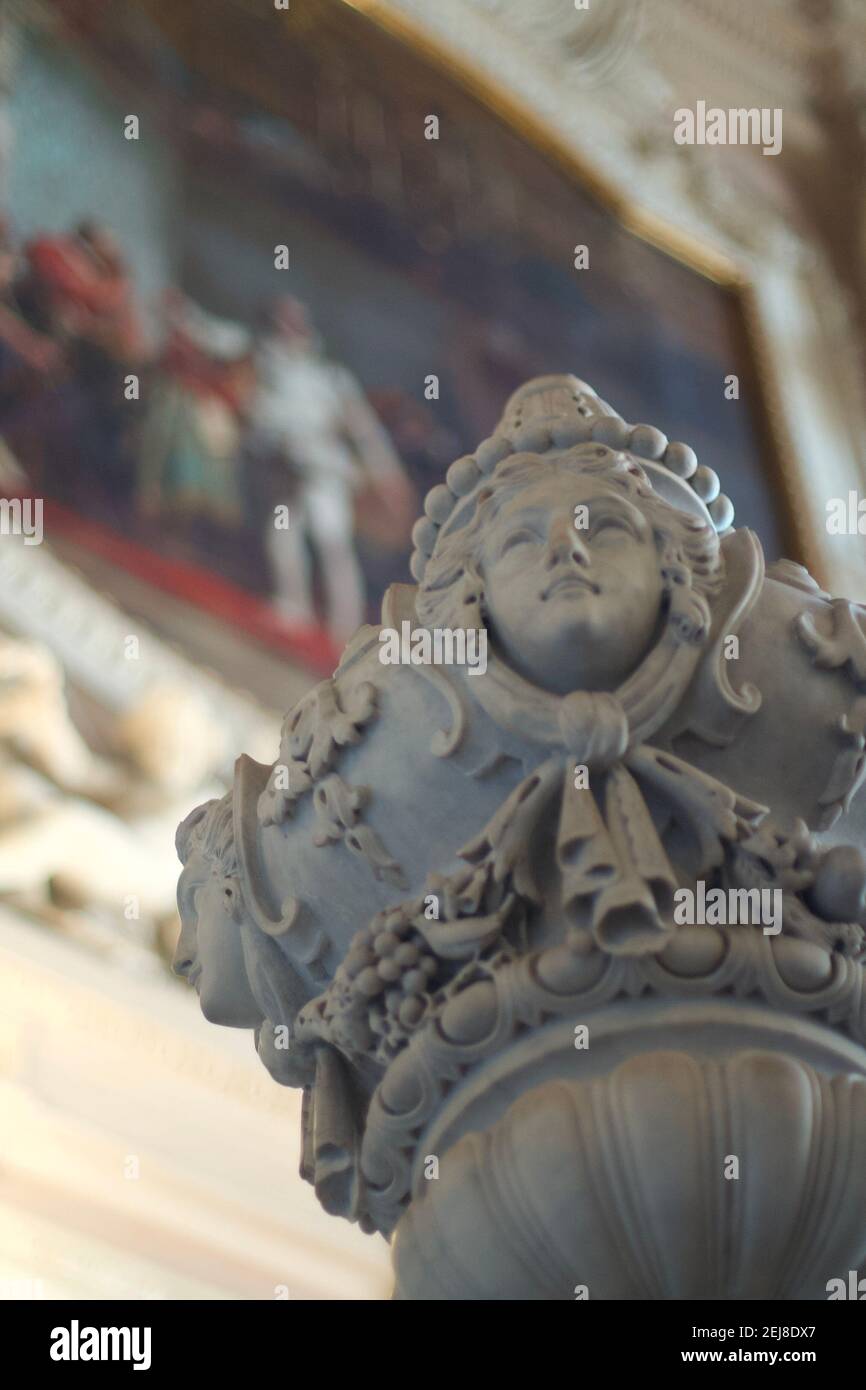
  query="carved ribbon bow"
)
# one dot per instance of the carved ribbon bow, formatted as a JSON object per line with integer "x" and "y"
{"x": 617, "y": 878}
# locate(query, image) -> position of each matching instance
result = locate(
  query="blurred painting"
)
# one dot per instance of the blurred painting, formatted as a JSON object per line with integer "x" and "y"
{"x": 265, "y": 272}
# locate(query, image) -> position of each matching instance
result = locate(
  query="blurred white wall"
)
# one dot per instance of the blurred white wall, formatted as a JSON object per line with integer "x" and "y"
{"x": 103, "y": 1076}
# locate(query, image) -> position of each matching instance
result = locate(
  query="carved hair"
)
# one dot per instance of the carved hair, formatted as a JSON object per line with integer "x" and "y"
{"x": 689, "y": 553}
{"x": 209, "y": 831}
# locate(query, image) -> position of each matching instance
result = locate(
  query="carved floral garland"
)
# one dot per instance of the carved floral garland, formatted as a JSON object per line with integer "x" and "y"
{"x": 426, "y": 997}
{"x": 836, "y": 641}
{"x": 505, "y": 997}
{"x": 313, "y": 734}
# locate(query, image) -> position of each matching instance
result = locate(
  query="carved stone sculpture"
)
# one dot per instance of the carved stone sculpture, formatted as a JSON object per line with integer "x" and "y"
{"x": 456, "y": 908}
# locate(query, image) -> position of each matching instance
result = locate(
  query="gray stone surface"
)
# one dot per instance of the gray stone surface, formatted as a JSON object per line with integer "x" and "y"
{"x": 454, "y": 908}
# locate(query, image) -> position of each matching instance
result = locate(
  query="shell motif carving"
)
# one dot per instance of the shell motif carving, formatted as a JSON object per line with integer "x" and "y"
{"x": 622, "y": 1188}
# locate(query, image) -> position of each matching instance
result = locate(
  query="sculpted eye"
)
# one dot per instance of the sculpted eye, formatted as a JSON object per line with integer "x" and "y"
{"x": 522, "y": 537}
{"x": 610, "y": 524}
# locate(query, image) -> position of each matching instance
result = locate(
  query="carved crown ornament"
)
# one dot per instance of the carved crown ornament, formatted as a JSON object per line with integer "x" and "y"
{"x": 441, "y": 880}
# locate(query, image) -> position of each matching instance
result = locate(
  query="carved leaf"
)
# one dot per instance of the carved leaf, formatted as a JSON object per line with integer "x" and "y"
{"x": 844, "y": 645}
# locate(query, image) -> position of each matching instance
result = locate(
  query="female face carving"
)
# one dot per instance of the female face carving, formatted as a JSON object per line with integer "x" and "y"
{"x": 572, "y": 606}
{"x": 209, "y": 952}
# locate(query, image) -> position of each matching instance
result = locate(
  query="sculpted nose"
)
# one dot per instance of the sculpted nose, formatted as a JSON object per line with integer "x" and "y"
{"x": 182, "y": 962}
{"x": 565, "y": 540}
{"x": 184, "y": 951}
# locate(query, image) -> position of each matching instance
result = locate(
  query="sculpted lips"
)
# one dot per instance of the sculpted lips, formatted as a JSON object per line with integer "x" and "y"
{"x": 571, "y": 580}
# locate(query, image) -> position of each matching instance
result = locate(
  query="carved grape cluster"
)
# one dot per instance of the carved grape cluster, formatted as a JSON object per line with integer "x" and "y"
{"x": 398, "y": 971}
{"x": 390, "y": 966}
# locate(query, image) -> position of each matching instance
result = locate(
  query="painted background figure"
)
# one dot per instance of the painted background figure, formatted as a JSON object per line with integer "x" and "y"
{"x": 312, "y": 421}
